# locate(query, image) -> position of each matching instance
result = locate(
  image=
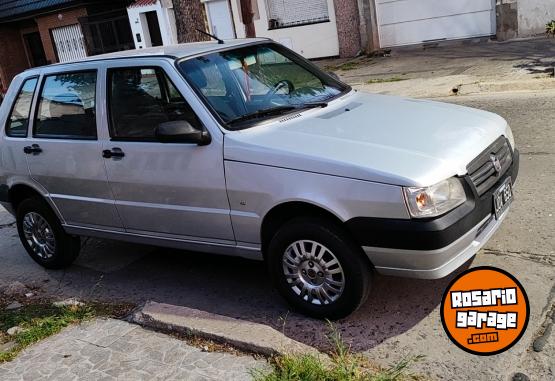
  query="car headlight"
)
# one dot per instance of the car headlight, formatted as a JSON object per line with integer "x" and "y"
{"x": 435, "y": 200}
{"x": 510, "y": 137}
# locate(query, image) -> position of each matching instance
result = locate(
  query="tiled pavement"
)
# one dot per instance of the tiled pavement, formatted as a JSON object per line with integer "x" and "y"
{"x": 108, "y": 349}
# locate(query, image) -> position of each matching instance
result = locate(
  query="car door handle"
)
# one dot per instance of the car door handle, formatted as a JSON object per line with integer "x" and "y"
{"x": 32, "y": 149}
{"x": 116, "y": 153}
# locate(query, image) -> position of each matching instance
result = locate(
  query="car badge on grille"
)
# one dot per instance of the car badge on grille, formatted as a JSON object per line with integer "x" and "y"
{"x": 496, "y": 163}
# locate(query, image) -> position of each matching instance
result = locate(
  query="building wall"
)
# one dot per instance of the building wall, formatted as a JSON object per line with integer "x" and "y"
{"x": 312, "y": 41}
{"x": 533, "y": 15}
{"x": 348, "y": 27}
{"x": 523, "y": 18}
{"x": 190, "y": 15}
{"x": 45, "y": 23}
{"x": 13, "y": 59}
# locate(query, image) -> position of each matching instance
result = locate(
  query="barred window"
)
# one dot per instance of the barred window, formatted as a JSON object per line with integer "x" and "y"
{"x": 286, "y": 13}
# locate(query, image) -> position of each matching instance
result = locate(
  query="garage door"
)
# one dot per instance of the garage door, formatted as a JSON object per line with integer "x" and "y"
{"x": 405, "y": 22}
{"x": 69, "y": 42}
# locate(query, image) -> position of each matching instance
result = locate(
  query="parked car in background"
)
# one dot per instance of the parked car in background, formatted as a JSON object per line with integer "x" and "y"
{"x": 247, "y": 149}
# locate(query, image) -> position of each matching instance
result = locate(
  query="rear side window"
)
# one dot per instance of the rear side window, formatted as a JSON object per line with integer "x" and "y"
{"x": 19, "y": 117}
{"x": 140, "y": 100}
{"x": 67, "y": 106}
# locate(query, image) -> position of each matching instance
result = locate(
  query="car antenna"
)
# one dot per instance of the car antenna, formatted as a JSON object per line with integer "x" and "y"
{"x": 220, "y": 41}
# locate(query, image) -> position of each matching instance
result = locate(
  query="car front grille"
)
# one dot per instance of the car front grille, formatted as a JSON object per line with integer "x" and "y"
{"x": 484, "y": 172}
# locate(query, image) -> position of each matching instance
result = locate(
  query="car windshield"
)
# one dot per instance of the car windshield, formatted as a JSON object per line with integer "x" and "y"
{"x": 253, "y": 83}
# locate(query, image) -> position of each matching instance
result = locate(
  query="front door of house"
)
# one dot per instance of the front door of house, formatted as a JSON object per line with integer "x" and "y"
{"x": 219, "y": 15}
{"x": 35, "y": 49}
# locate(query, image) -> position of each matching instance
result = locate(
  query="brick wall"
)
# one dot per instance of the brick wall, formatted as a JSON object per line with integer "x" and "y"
{"x": 348, "y": 27}
{"x": 190, "y": 14}
{"x": 45, "y": 23}
{"x": 12, "y": 55}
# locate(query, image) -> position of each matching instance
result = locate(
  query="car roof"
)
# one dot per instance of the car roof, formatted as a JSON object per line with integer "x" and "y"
{"x": 176, "y": 51}
{"x": 171, "y": 51}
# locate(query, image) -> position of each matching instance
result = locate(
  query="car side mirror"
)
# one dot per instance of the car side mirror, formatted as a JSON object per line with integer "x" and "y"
{"x": 181, "y": 131}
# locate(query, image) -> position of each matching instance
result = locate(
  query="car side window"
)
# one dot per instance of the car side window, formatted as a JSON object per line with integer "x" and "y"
{"x": 19, "y": 117}
{"x": 67, "y": 106}
{"x": 140, "y": 99}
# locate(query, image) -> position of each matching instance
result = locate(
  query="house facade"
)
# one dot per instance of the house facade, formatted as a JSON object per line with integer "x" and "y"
{"x": 40, "y": 32}
{"x": 152, "y": 23}
{"x": 322, "y": 28}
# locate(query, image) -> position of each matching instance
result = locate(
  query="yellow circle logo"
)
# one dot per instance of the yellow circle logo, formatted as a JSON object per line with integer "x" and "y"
{"x": 485, "y": 311}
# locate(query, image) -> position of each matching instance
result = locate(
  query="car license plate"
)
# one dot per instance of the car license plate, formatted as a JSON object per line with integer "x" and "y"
{"x": 502, "y": 197}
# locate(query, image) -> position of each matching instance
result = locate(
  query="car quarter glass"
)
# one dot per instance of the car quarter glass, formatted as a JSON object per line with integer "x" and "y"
{"x": 67, "y": 106}
{"x": 19, "y": 118}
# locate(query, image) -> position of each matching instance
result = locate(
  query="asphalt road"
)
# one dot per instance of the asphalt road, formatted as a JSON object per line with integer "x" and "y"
{"x": 401, "y": 316}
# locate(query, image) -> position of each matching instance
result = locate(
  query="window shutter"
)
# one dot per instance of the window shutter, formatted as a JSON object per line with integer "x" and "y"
{"x": 284, "y": 13}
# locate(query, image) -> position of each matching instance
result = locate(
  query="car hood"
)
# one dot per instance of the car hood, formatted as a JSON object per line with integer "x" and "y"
{"x": 372, "y": 137}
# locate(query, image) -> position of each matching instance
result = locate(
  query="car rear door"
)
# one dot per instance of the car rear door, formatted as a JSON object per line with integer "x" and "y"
{"x": 168, "y": 190}
{"x": 64, "y": 154}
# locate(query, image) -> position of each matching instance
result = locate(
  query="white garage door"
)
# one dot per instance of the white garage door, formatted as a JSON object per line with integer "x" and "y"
{"x": 69, "y": 41}
{"x": 405, "y": 22}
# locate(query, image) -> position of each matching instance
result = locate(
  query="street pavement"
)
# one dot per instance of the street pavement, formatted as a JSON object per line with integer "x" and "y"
{"x": 109, "y": 350}
{"x": 469, "y": 67}
{"x": 401, "y": 317}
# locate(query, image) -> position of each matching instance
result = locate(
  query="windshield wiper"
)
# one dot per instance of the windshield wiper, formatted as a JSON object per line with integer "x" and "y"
{"x": 313, "y": 105}
{"x": 262, "y": 113}
{"x": 276, "y": 111}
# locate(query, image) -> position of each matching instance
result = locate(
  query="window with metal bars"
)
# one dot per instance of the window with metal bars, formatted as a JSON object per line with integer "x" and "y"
{"x": 289, "y": 13}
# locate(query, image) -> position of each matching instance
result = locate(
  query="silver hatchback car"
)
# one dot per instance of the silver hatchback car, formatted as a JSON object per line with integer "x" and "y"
{"x": 245, "y": 148}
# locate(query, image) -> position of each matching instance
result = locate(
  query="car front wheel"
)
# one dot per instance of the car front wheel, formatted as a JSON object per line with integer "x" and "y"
{"x": 317, "y": 268}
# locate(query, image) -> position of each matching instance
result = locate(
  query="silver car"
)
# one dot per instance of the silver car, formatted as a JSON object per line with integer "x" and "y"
{"x": 245, "y": 148}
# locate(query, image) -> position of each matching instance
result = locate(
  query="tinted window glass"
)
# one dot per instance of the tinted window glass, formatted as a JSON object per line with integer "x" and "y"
{"x": 67, "y": 106}
{"x": 141, "y": 99}
{"x": 19, "y": 118}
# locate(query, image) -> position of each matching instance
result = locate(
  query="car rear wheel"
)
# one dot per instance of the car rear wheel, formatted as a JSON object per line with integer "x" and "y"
{"x": 317, "y": 268}
{"x": 43, "y": 236}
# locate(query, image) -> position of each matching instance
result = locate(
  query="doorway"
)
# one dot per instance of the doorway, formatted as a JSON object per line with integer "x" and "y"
{"x": 219, "y": 16}
{"x": 153, "y": 28}
{"x": 35, "y": 51}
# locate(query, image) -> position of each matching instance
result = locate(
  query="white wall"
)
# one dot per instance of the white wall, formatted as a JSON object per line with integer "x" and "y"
{"x": 533, "y": 15}
{"x": 166, "y": 19}
{"x": 312, "y": 41}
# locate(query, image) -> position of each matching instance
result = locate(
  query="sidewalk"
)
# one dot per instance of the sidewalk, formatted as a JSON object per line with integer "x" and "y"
{"x": 469, "y": 67}
{"x": 107, "y": 349}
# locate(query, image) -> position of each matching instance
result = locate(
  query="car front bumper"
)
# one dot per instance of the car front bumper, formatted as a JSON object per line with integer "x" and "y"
{"x": 432, "y": 248}
{"x": 434, "y": 264}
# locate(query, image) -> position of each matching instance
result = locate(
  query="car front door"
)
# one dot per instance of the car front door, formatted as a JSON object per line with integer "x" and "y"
{"x": 64, "y": 153}
{"x": 171, "y": 190}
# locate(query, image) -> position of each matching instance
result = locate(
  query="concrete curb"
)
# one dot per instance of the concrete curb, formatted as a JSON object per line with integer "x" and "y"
{"x": 244, "y": 335}
{"x": 440, "y": 87}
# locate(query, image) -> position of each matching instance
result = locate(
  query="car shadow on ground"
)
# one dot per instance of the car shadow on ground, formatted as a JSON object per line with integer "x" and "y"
{"x": 239, "y": 288}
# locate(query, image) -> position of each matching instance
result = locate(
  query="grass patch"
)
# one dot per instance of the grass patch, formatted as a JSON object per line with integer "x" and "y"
{"x": 41, "y": 320}
{"x": 344, "y": 366}
{"x": 346, "y": 66}
{"x": 385, "y": 80}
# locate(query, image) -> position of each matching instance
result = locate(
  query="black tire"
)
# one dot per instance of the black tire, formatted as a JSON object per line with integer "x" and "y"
{"x": 357, "y": 272}
{"x": 67, "y": 247}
